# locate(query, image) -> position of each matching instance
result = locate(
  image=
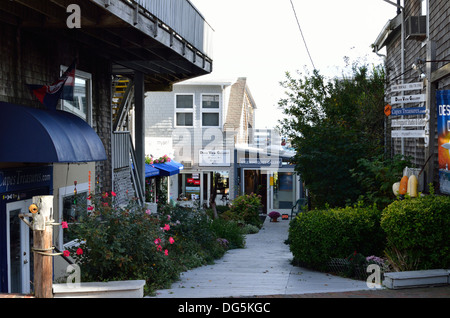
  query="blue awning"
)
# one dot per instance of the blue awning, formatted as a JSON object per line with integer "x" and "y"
{"x": 35, "y": 135}
{"x": 169, "y": 168}
{"x": 151, "y": 171}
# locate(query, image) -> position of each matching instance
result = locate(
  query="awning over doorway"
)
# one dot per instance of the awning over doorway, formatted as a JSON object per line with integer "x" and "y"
{"x": 151, "y": 171}
{"x": 35, "y": 135}
{"x": 169, "y": 168}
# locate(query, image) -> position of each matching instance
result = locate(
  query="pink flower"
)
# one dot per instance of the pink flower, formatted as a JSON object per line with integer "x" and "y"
{"x": 166, "y": 227}
{"x": 64, "y": 225}
{"x": 148, "y": 211}
{"x": 105, "y": 203}
{"x": 105, "y": 195}
{"x": 79, "y": 251}
{"x": 66, "y": 253}
{"x": 168, "y": 217}
{"x": 171, "y": 240}
{"x": 113, "y": 193}
{"x": 166, "y": 252}
{"x": 157, "y": 241}
{"x": 159, "y": 248}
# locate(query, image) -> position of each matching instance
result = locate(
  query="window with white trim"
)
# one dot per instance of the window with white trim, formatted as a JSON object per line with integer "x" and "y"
{"x": 184, "y": 110}
{"x": 82, "y": 96}
{"x": 210, "y": 110}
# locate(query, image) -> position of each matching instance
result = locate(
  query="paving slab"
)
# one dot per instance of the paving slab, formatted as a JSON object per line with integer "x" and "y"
{"x": 263, "y": 267}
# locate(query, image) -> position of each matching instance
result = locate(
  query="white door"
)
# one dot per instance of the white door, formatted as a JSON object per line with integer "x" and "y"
{"x": 18, "y": 248}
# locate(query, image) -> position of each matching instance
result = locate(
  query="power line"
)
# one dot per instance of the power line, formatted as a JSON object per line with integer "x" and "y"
{"x": 298, "y": 23}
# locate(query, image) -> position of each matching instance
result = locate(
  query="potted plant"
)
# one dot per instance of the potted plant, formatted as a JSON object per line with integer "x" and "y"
{"x": 274, "y": 215}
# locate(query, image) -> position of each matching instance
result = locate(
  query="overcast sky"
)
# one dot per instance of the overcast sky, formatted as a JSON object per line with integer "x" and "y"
{"x": 260, "y": 40}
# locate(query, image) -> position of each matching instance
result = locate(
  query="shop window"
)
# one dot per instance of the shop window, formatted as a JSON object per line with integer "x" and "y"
{"x": 81, "y": 105}
{"x": 184, "y": 110}
{"x": 189, "y": 186}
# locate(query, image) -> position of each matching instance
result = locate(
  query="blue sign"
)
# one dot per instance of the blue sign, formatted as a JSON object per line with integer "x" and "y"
{"x": 408, "y": 111}
{"x": 20, "y": 179}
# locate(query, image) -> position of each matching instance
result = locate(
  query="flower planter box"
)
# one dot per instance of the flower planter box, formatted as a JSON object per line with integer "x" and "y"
{"x": 116, "y": 289}
{"x": 410, "y": 279}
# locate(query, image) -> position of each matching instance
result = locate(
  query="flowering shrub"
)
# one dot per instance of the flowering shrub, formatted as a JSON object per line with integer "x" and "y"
{"x": 274, "y": 215}
{"x": 122, "y": 243}
{"x": 125, "y": 243}
{"x": 247, "y": 208}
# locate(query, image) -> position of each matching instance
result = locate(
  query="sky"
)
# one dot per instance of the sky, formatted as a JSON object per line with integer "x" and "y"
{"x": 261, "y": 40}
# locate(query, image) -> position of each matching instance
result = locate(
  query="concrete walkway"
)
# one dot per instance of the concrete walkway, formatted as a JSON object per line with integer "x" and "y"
{"x": 261, "y": 268}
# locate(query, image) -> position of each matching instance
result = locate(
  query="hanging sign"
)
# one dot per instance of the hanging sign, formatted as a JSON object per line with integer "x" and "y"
{"x": 408, "y": 111}
{"x": 407, "y": 87}
{"x": 408, "y": 99}
{"x": 416, "y": 122}
{"x": 443, "y": 131}
{"x": 408, "y": 134}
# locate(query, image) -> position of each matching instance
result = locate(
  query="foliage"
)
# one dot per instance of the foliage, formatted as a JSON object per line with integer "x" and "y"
{"x": 246, "y": 208}
{"x": 317, "y": 236}
{"x": 331, "y": 125}
{"x": 376, "y": 177}
{"x": 123, "y": 243}
{"x": 229, "y": 230}
{"x": 418, "y": 231}
{"x": 274, "y": 215}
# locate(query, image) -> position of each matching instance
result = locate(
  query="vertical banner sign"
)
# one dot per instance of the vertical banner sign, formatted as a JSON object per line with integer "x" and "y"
{"x": 443, "y": 130}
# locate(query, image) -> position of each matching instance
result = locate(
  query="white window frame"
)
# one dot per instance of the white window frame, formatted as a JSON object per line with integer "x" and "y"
{"x": 184, "y": 110}
{"x": 211, "y": 110}
{"x": 88, "y": 78}
{"x": 67, "y": 192}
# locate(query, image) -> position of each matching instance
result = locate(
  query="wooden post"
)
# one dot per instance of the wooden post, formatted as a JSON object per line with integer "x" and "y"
{"x": 42, "y": 244}
{"x": 431, "y": 107}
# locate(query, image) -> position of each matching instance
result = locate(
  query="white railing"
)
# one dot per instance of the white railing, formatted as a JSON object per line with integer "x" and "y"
{"x": 182, "y": 17}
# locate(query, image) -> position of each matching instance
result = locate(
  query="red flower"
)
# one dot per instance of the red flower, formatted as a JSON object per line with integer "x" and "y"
{"x": 66, "y": 253}
{"x": 113, "y": 193}
{"x": 64, "y": 225}
{"x": 79, "y": 251}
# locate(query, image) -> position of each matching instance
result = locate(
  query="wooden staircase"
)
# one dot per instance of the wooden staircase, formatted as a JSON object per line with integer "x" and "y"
{"x": 122, "y": 102}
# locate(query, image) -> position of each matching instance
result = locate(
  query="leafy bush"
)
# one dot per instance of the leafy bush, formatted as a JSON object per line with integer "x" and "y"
{"x": 246, "y": 208}
{"x": 376, "y": 177}
{"x": 418, "y": 232}
{"x": 319, "y": 235}
{"x": 230, "y": 231}
{"x": 123, "y": 243}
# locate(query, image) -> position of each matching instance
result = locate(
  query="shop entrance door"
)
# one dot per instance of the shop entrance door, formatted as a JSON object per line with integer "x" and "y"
{"x": 18, "y": 248}
{"x": 283, "y": 192}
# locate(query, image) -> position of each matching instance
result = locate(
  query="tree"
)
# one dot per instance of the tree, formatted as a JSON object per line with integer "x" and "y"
{"x": 332, "y": 124}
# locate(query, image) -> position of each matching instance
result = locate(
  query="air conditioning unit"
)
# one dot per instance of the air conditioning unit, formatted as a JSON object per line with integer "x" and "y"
{"x": 416, "y": 27}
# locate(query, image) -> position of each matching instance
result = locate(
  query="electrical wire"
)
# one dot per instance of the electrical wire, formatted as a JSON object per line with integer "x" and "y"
{"x": 304, "y": 41}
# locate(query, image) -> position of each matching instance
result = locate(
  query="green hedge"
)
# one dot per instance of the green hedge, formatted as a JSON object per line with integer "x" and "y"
{"x": 318, "y": 235}
{"x": 418, "y": 232}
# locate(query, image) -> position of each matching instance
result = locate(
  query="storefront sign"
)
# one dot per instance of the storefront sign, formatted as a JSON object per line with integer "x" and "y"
{"x": 258, "y": 162}
{"x": 408, "y": 99}
{"x": 443, "y": 131}
{"x": 408, "y": 134}
{"x": 213, "y": 158}
{"x": 19, "y": 179}
{"x": 408, "y": 122}
{"x": 407, "y": 87}
{"x": 408, "y": 111}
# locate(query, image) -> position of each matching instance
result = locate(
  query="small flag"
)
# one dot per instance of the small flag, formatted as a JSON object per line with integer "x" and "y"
{"x": 49, "y": 95}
